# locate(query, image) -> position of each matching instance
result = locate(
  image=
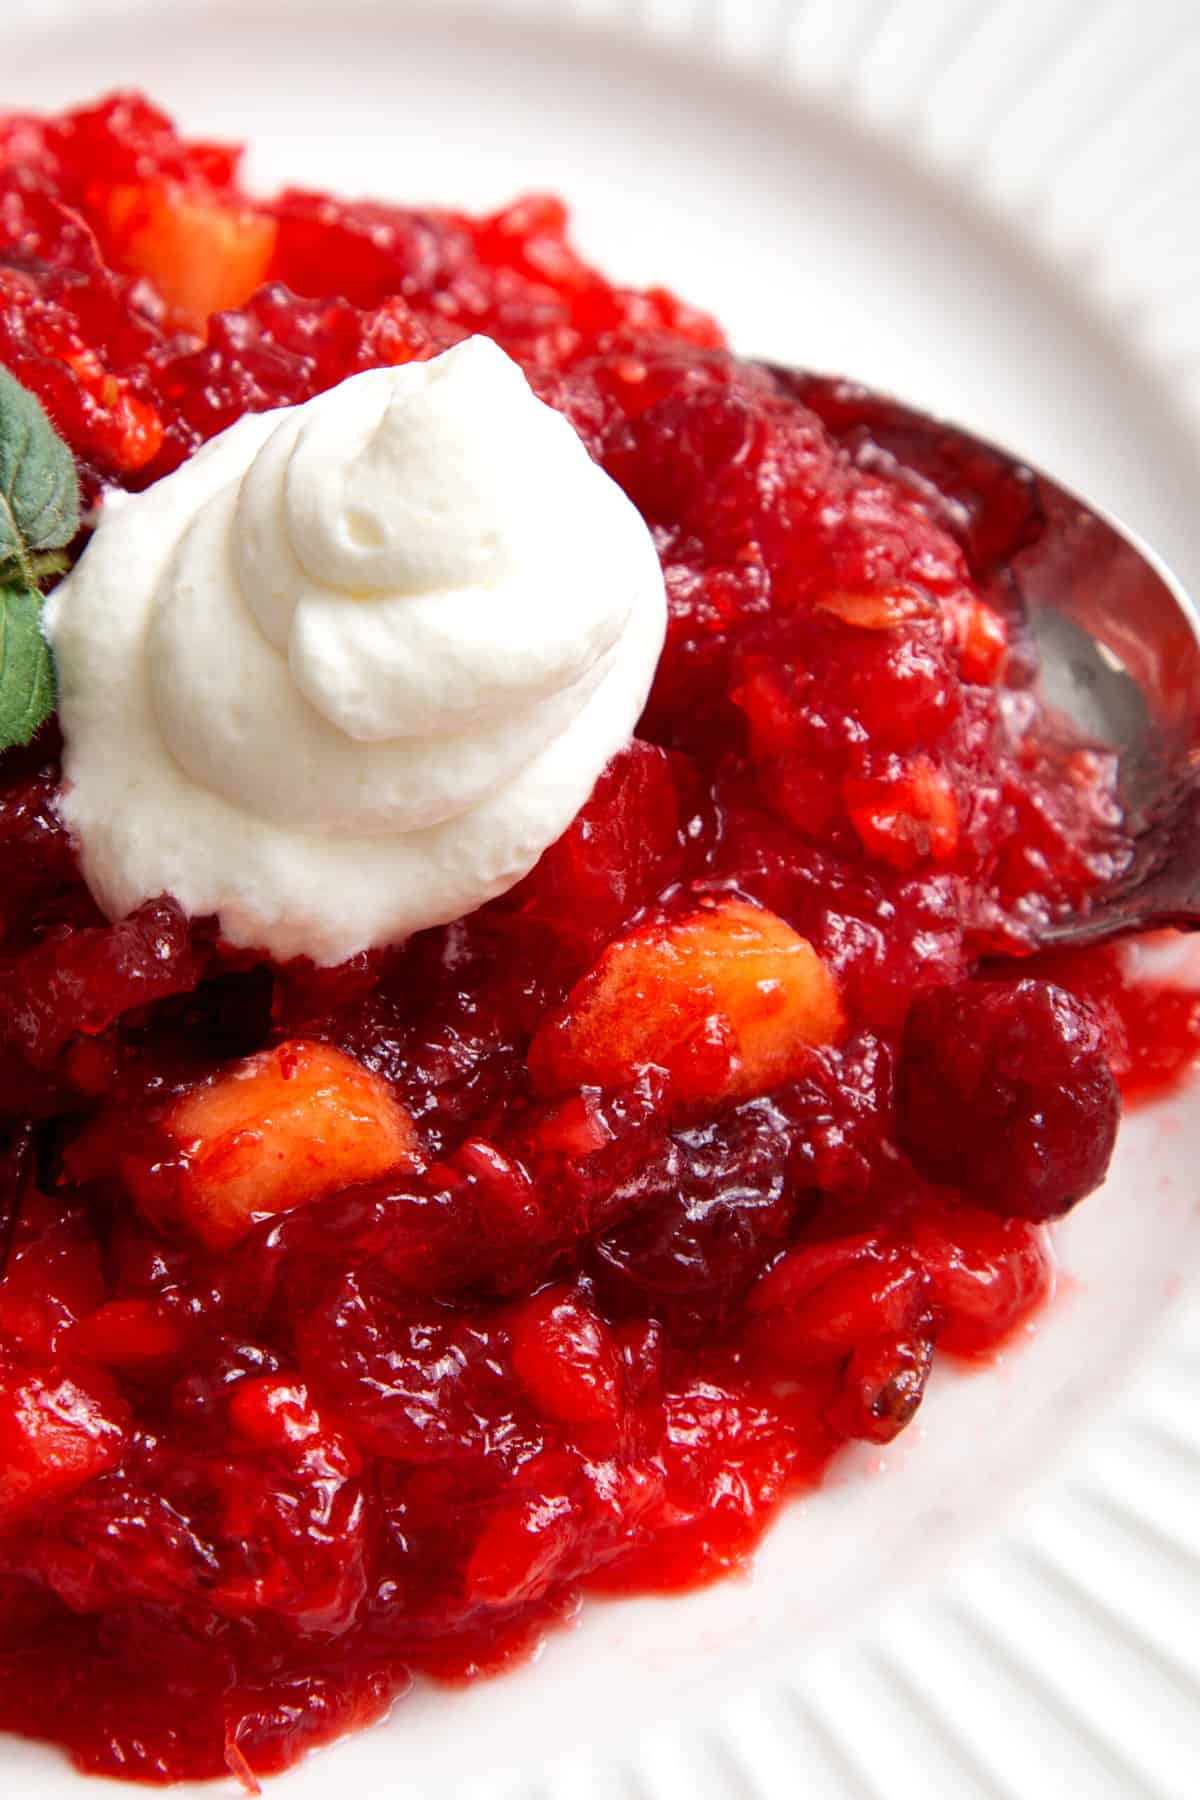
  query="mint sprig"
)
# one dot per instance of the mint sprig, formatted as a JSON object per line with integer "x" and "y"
{"x": 26, "y": 672}
{"x": 39, "y": 515}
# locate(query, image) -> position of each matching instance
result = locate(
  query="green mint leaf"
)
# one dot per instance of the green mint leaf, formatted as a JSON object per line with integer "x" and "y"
{"x": 26, "y": 672}
{"x": 39, "y": 490}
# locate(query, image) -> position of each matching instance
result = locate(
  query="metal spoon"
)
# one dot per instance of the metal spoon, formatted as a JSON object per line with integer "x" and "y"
{"x": 1118, "y": 640}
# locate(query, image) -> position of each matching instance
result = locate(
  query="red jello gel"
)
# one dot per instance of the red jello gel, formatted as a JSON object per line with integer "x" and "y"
{"x": 353, "y": 1321}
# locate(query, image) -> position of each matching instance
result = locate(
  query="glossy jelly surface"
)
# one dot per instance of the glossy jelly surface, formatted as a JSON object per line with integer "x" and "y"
{"x": 354, "y": 1321}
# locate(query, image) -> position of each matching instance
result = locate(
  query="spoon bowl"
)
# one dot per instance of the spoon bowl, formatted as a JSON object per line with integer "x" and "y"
{"x": 1117, "y": 638}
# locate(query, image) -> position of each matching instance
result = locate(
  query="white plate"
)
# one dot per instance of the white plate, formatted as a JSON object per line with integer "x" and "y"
{"x": 989, "y": 209}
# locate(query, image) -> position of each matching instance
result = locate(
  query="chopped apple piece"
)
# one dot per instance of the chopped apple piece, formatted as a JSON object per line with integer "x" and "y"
{"x": 906, "y": 818}
{"x": 204, "y": 254}
{"x": 277, "y": 1130}
{"x": 727, "y": 999}
{"x": 881, "y": 610}
{"x": 982, "y": 639}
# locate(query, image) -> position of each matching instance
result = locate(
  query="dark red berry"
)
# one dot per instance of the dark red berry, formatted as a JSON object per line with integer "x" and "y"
{"x": 882, "y": 1386}
{"x": 1004, "y": 1090}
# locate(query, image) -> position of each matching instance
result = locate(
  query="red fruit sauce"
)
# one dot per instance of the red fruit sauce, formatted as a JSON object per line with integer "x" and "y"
{"x": 585, "y": 1339}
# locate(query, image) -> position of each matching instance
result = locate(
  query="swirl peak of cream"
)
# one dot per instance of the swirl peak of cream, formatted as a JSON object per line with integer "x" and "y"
{"x": 349, "y": 671}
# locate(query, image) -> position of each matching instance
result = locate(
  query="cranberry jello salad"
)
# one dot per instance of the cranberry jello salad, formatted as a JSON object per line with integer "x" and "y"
{"x": 523, "y": 839}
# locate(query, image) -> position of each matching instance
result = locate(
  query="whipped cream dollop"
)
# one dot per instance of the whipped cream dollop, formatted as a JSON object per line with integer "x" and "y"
{"x": 348, "y": 671}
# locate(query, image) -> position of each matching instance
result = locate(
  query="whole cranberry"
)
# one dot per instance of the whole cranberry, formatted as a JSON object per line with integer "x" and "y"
{"x": 1004, "y": 1091}
{"x": 882, "y": 1385}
